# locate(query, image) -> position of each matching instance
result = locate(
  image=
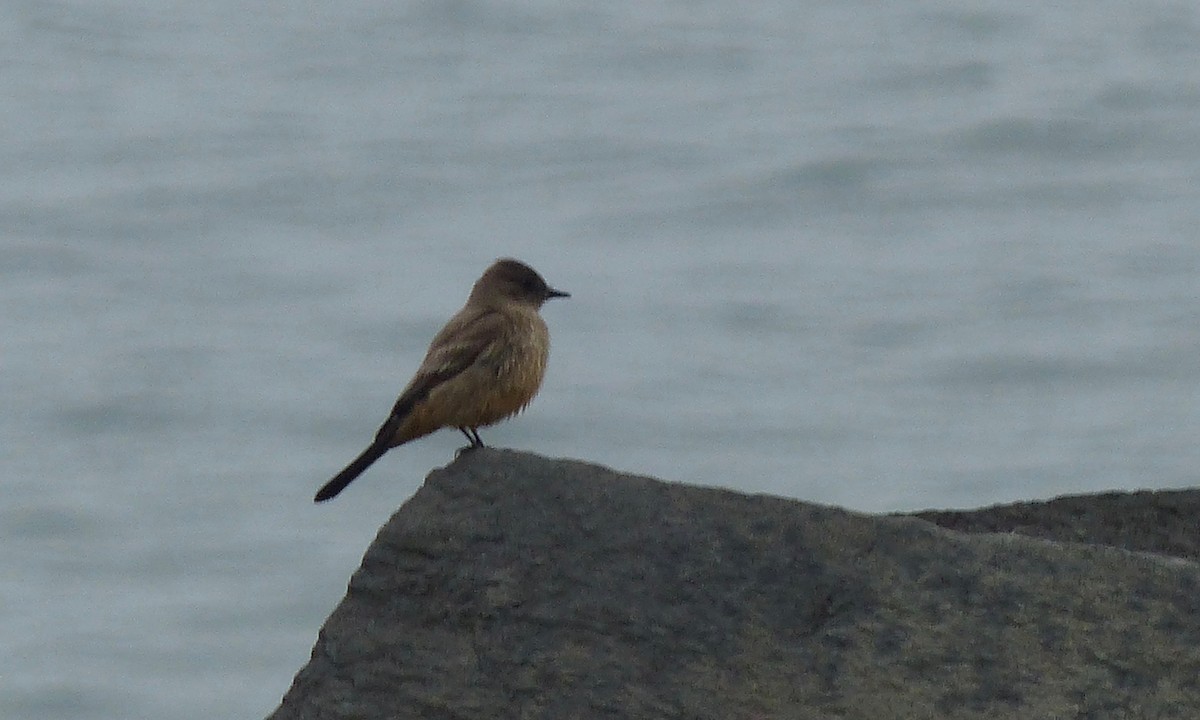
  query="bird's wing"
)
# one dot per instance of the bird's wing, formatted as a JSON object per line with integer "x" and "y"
{"x": 466, "y": 338}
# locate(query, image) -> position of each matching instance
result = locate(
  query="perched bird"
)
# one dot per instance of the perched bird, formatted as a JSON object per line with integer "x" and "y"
{"x": 485, "y": 365}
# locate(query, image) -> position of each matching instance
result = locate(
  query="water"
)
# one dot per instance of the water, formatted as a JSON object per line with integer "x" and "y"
{"x": 938, "y": 255}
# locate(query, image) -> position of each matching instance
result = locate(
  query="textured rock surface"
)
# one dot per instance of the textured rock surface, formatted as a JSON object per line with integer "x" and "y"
{"x": 513, "y": 586}
{"x": 1165, "y": 522}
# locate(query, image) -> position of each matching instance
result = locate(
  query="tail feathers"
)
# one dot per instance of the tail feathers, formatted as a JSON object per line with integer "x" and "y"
{"x": 353, "y": 470}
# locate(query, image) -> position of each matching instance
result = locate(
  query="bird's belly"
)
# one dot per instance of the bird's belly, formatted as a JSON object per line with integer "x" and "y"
{"x": 504, "y": 389}
{"x": 487, "y": 392}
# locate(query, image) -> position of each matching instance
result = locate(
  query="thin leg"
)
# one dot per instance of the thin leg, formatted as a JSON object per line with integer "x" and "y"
{"x": 473, "y": 436}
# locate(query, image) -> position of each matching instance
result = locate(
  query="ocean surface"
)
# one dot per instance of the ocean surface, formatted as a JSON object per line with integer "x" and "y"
{"x": 889, "y": 257}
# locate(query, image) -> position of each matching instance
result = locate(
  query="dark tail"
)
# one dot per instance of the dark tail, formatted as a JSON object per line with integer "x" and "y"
{"x": 353, "y": 470}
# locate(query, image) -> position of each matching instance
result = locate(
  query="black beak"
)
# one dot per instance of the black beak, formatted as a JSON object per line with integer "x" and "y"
{"x": 552, "y": 293}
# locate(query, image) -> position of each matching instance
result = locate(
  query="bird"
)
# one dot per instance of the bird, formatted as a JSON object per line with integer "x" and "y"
{"x": 485, "y": 365}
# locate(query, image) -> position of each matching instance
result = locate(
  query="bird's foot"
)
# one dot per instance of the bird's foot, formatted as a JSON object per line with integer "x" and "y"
{"x": 465, "y": 449}
{"x": 472, "y": 435}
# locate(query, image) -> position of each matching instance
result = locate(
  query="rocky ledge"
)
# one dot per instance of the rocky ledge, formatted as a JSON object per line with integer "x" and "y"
{"x": 515, "y": 586}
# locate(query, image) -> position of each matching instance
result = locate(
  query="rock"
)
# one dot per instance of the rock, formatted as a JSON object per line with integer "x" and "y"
{"x": 514, "y": 586}
{"x": 1165, "y": 522}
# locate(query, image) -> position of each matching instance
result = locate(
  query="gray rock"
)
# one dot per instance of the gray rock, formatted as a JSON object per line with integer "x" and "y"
{"x": 514, "y": 586}
{"x": 1164, "y": 521}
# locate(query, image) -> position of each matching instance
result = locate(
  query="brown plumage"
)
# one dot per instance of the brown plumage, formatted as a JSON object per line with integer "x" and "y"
{"x": 485, "y": 365}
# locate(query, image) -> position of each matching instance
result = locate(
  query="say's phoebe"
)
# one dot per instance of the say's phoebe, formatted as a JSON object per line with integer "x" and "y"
{"x": 485, "y": 365}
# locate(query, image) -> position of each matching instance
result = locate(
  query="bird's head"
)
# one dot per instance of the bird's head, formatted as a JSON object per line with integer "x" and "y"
{"x": 509, "y": 279}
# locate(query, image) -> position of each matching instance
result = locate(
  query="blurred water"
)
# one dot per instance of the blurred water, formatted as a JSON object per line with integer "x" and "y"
{"x": 936, "y": 255}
